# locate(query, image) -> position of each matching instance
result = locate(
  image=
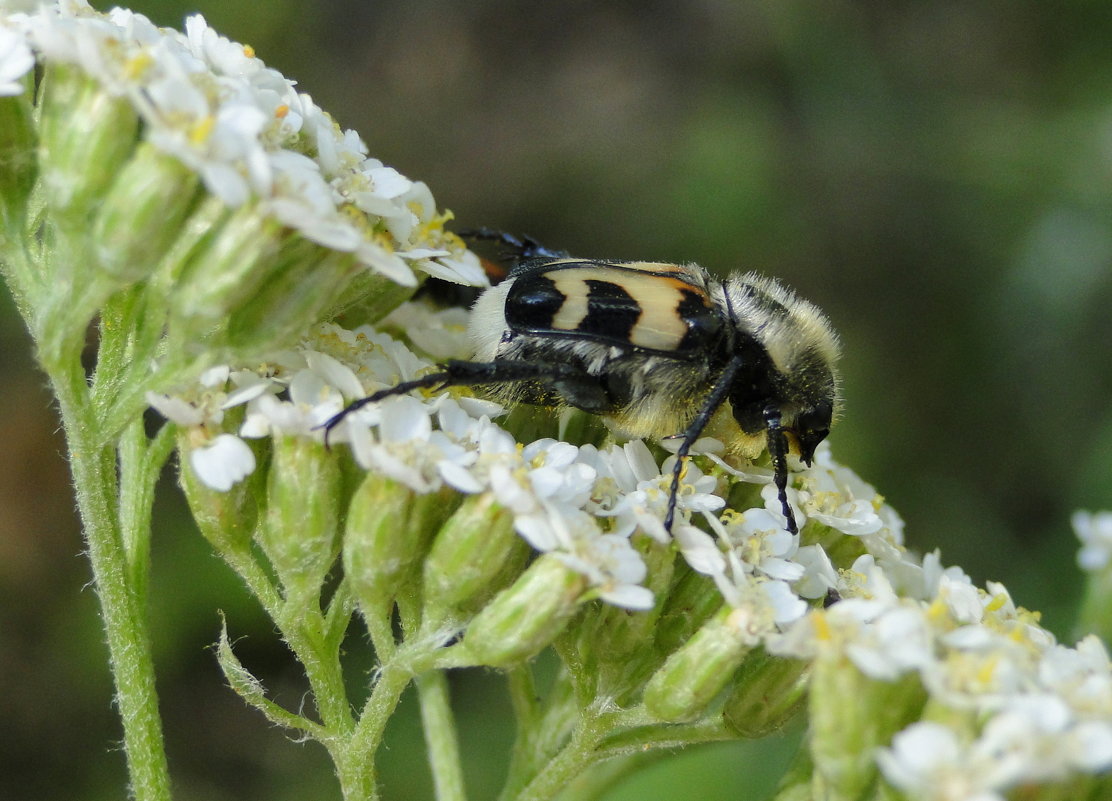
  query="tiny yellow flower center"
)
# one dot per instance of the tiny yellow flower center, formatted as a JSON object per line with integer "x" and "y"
{"x": 202, "y": 130}
{"x": 137, "y": 65}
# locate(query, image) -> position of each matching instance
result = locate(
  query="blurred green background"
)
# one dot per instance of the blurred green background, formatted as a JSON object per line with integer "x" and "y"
{"x": 936, "y": 176}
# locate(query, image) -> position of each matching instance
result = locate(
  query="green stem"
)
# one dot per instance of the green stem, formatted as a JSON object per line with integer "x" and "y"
{"x": 123, "y": 605}
{"x": 596, "y": 782}
{"x": 1095, "y": 615}
{"x": 440, "y": 736}
{"x": 304, "y": 631}
{"x": 575, "y": 757}
{"x": 527, "y": 712}
{"x": 313, "y": 638}
{"x": 140, "y": 465}
{"x": 631, "y": 738}
{"x": 340, "y": 609}
{"x": 355, "y": 755}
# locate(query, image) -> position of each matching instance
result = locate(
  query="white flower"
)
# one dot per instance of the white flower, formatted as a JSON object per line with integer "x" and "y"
{"x": 700, "y": 550}
{"x": 637, "y": 493}
{"x": 459, "y": 268}
{"x": 919, "y": 580}
{"x": 269, "y": 416}
{"x": 819, "y": 574}
{"x": 770, "y": 494}
{"x": 928, "y": 763}
{"x": 747, "y": 562}
{"x": 711, "y": 448}
{"x": 223, "y": 462}
{"x": 440, "y": 333}
{"x": 205, "y": 404}
{"x": 608, "y": 561}
{"x": 785, "y": 605}
{"x": 1081, "y": 675}
{"x": 179, "y": 410}
{"x": 407, "y": 448}
{"x": 758, "y": 608}
{"x": 223, "y": 55}
{"x": 16, "y": 60}
{"x": 895, "y": 642}
{"x": 1095, "y": 532}
{"x": 964, "y": 601}
{"x": 836, "y": 497}
{"x": 1036, "y": 738}
{"x": 760, "y": 542}
{"x": 868, "y": 586}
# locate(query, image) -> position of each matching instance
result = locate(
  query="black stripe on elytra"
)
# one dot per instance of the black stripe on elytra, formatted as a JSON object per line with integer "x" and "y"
{"x": 611, "y": 311}
{"x": 704, "y": 323}
{"x": 532, "y": 303}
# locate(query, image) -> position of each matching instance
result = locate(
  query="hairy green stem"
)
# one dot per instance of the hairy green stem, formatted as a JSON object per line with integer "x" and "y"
{"x": 527, "y": 713}
{"x": 440, "y": 736}
{"x": 123, "y": 604}
{"x": 576, "y": 756}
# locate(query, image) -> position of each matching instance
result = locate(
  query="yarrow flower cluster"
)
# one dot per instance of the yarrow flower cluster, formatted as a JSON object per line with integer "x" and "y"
{"x": 187, "y": 162}
{"x": 1034, "y": 710}
{"x": 245, "y": 130}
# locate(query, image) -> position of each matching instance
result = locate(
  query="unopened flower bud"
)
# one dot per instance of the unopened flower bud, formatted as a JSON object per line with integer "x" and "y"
{"x": 692, "y": 601}
{"x": 232, "y": 264}
{"x": 851, "y": 715}
{"x": 300, "y": 533}
{"x": 303, "y": 287}
{"x": 527, "y": 616}
{"x": 17, "y": 155}
{"x": 368, "y": 297}
{"x": 475, "y": 555}
{"x": 693, "y": 675}
{"x": 620, "y": 641}
{"x": 254, "y": 284}
{"x": 769, "y": 691}
{"x": 85, "y": 137}
{"x": 142, "y": 213}
{"x": 389, "y": 527}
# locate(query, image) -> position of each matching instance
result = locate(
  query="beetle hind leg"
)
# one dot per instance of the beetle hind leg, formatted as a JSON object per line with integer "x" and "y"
{"x": 522, "y": 247}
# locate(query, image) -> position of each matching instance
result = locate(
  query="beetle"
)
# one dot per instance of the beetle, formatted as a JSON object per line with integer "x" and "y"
{"x": 657, "y": 349}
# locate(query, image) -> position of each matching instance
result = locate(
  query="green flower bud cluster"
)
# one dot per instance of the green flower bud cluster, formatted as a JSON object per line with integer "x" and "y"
{"x": 233, "y": 280}
{"x": 196, "y": 219}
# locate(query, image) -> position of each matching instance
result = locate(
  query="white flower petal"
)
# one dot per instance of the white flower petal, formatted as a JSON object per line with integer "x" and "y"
{"x": 459, "y": 477}
{"x": 16, "y": 60}
{"x": 223, "y": 463}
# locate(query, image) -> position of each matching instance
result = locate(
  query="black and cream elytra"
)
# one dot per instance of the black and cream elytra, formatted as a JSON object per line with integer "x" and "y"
{"x": 657, "y": 350}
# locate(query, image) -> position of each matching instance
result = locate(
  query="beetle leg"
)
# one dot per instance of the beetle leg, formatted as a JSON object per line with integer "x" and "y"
{"x": 523, "y": 247}
{"x": 458, "y": 373}
{"x": 715, "y": 398}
